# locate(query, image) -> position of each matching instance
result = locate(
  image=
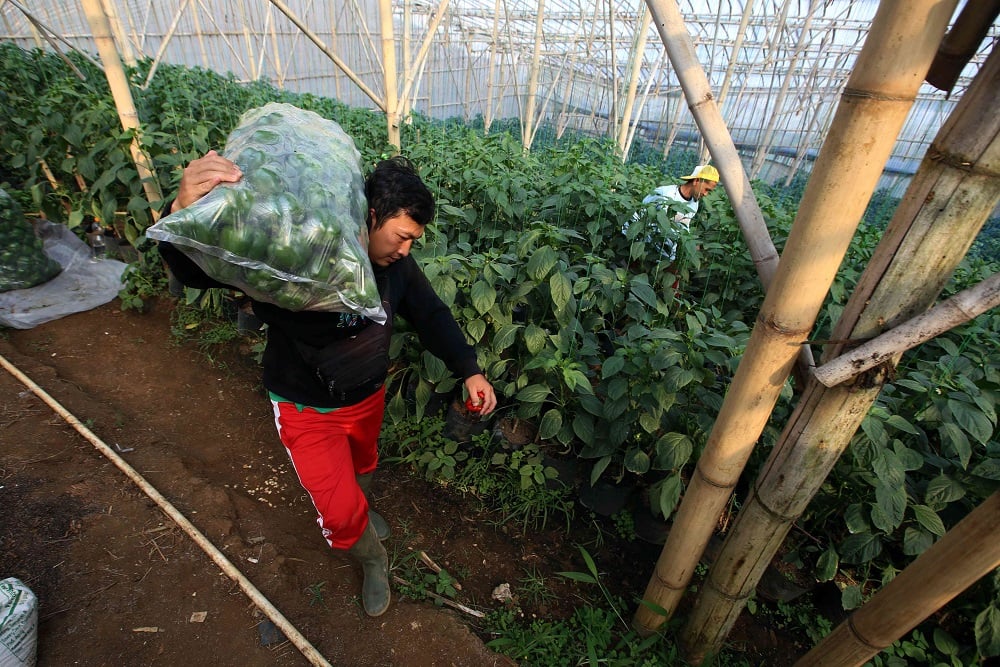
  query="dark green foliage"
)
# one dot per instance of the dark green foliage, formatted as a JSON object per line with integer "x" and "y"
{"x": 579, "y": 326}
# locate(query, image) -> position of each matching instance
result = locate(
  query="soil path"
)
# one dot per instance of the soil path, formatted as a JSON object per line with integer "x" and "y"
{"x": 120, "y": 584}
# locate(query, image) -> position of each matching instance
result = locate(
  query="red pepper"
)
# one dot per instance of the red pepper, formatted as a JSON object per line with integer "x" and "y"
{"x": 475, "y": 407}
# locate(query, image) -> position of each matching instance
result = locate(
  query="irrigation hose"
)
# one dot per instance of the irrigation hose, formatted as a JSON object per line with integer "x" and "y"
{"x": 289, "y": 630}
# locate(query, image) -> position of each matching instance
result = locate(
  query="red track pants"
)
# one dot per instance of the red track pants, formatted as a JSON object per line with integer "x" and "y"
{"x": 328, "y": 449}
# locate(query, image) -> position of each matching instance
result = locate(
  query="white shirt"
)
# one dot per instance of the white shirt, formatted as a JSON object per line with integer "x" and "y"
{"x": 663, "y": 196}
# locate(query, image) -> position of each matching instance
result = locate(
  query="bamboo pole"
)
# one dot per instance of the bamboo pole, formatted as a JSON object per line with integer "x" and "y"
{"x": 901, "y": 44}
{"x": 528, "y": 121}
{"x": 959, "y": 309}
{"x": 118, "y": 82}
{"x": 764, "y": 145}
{"x": 165, "y": 42}
{"x": 965, "y": 554}
{"x": 389, "y": 72}
{"x": 491, "y": 72}
{"x": 697, "y": 92}
{"x": 300, "y": 24}
{"x": 225, "y": 565}
{"x": 943, "y": 210}
{"x": 638, "y": 54}
{"x": 124, "y": 47}
{"x": 421, "y": 58}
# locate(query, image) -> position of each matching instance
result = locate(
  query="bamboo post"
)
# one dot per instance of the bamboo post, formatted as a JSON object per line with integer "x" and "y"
{"x": 315, "y": 39}
{"x": 966, "y": 553}
{"x": 124, "y": 47}
{"x": 667, "y": 16}
{"x": 764, "y": 145}
{"x": 638, "y": 53}
{"x": 901, "y": 44}
{"x": 425, "y": 46}
{"x": 118, "y": 82}
{"x": 389, "y": 71}
{"x": 528, "y": 120}
{"x": 964, "y": 306}
{"x": 698, "y": 94}
{"x": 943, "y": 210}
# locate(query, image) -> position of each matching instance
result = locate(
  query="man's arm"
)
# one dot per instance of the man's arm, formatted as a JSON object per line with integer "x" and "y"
{"x": 197, "y": 180}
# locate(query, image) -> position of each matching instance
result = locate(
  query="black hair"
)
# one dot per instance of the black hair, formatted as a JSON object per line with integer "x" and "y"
{"x": 395, "y": 188}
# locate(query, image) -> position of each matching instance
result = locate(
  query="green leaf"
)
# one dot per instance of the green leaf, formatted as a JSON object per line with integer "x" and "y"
{"x": 541, "y": 262}
{"x": 990, "y": 469}
{"x": 972, "y": 420}
{"x": 956, "y": 440}
{"x": 534, "y": 338}
{"x": 561, "y": 290}
{"x": 550, "y": 424}
{"x": 533, "y": 393}
{"x": 612, "y": 366}
{"x": 887, "y": 513}
{"x": 988, "y": 631}
{"x": 484, "y": 295}
{"x": 476, "y": 329}
{"x": 943, "y": 490}
{"x": 668, "y": 495}
{"x": 855, "y": 518}
{"x": 637, "y": 461}
{"x": 901, "y": 424}
{"x": 945, "y": 642}
{"x": 860, "y": 548}
{"x": 827, "y": 564}
{"x": 850, "y": 597}
{"x": 929, "y": 519}
{"x": 916, "y": 541}
{"x": 644, "y": 293}
{"x": 505, "y": 337}
{"x": 672, "y": 451}
{"x": 577, "y": 381}
{"x": 888, "y": 468}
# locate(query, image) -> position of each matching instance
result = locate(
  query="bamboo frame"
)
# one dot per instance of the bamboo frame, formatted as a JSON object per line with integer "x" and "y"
{"x": 697, "y": 92}
{"x": 959, "y": 309}
{"x": 879, "y": 95}
{"x": 941, "y": 213}
{"x": 638, "y": 53}
{"x": 964, "y": 555}
{"x": 118, "y": 82}
{"x": 300, "y": 24}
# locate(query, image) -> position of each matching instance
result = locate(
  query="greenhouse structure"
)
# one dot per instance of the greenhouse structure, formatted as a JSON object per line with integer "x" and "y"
{"x": 831, "y": 357}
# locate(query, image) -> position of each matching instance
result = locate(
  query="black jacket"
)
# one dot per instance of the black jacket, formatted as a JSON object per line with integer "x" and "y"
{"x": 289, "y": 376}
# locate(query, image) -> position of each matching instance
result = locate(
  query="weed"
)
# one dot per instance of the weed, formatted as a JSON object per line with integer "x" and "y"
{"x": 624, "y": 524}
{"x": 533, "y": 589}
{"x": 315, "y": 592}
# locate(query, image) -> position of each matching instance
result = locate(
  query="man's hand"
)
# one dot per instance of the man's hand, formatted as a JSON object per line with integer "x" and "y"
{"x": 481, "y": 393}
{"x": 201, "y": 175}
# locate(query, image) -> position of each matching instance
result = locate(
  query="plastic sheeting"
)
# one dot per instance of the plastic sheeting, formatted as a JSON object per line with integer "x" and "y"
{"x": 82, "y": 285}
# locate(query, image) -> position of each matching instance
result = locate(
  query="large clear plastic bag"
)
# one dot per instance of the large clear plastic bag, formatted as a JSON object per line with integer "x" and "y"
{"x": 292, "y": 231}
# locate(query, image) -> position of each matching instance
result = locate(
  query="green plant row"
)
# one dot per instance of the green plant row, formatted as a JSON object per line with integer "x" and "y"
{"x": 579, "y": 326}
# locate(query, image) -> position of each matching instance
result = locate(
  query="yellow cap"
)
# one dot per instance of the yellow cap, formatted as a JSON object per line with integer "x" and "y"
{"x": 705, "y": 172}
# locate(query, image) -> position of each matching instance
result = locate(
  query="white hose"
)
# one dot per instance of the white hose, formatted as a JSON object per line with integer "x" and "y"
{"x": 227, "y": 567}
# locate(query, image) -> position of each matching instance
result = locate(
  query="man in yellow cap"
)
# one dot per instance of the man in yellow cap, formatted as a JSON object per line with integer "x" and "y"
{"x": 683, "y": 200}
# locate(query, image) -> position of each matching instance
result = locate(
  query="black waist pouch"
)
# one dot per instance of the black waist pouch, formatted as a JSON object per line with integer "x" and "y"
{"x": 353, "y": 367}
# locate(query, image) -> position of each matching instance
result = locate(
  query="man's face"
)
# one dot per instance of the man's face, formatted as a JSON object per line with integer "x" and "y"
{"x": 700, "y": 187}
{"x": 393, "y": 240}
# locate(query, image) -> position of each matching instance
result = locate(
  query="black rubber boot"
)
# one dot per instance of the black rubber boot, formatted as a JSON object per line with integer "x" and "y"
{"x": 368, "y": 551}
{"x": 374, "y": 518}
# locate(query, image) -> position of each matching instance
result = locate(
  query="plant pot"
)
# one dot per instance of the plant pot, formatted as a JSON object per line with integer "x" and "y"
{"x": 605, "y": 498}
{"x": 514, "y": 433}
{"x": 566, "y": 468}
{"x": 462, "y": 425}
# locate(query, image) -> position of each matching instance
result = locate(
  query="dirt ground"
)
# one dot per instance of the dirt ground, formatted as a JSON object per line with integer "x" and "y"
{"x": 120, "y": 582}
